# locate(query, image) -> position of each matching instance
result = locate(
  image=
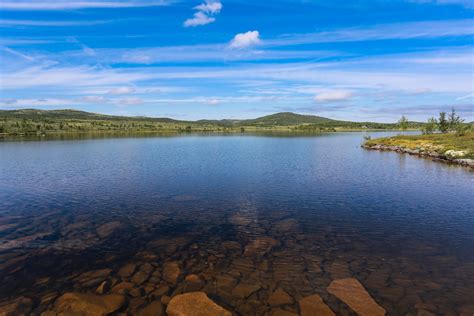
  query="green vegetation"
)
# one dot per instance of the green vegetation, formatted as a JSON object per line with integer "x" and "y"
{"x": 403, "y": 123}
{"x": 440, "y": 143}
{"x": 454, "y": 140}
{"x": 41, "y": 122}
{"x": 454, "y": 123}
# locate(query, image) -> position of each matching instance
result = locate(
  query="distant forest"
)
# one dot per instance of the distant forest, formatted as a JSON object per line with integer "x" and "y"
{"x": 39, "y": 122}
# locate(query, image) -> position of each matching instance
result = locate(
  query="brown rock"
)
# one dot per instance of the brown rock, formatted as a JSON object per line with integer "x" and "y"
{"x": 88, "y": 304}
{"x": 339, "y": 270}
{"x": 171, "y": 272}
{"x": 165, "y": 299}
{"x": 19, "y": 306}
{"x": 155, "y": 308}
{"x": 193, "y": 283}
{"x": 162, "y": 290}
{"x": 423, "y": 312}
{"x": 122, "y": 287}
{"x": 314, "y": 305}
{"x": 225, "y": 282}
{"x": 260, "y": 246}
{"x": 280, "y": 297}
{"x": 351, "y": 292}
{"x": 193, "y": 278}
{"x": 147, "y": 267}
{"x": 282, "y": 312}
{"x": 287, "y": 225}
{"x": 140, "y": 277}
{"x": 194, "y": 304}
{"x": 108, "y": 229}
{"x": 136, "y": 292}
{"x": 243, "y": 290}
{"x": 232, "y": 245}
{"x": 93, "y": 278}
{"x": 127, "y": 270}
{"x": 136, "y": 303}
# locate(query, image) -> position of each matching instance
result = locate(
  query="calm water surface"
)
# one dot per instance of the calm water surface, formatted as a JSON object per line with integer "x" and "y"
{"x": 276, "y": 212}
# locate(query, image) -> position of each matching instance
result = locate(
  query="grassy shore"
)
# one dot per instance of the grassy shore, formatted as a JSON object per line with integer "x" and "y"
{"x": 446, "y": 145}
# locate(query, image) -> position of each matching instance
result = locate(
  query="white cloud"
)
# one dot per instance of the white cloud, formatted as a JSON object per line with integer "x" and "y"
{"x": 17, "y": 53}
{"x": 213, "y": 101}
{"x": 398, "y": 31}
{"x": 12, "y": 23}
{"x": 129, "y": 101}
{"x": 92, "y": 99}
{"x": 469, "y": 96}
{"x": 200, "y": 18}
{"x": 79, "y": 76}
{"x": 334, "y": 95}
{"x": 212, "y": 7}
{"x": 8, "y": 101}
{"x": 204, "y": 14}
{"x": 122, "y": 90}
{"x": 247, "y": 39}
{"x": 466, "y": 3}
{"x": 34, "y": 5}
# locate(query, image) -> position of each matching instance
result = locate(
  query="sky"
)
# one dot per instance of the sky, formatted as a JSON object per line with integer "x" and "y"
{"x": 361, "y": 60}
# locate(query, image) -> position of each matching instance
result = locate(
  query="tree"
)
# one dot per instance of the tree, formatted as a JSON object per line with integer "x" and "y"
{"x": 443, "y": 122}
{"x": 430, "y": 127}
{"x": 403, "y": 123}
{"x": 454, "y": 121}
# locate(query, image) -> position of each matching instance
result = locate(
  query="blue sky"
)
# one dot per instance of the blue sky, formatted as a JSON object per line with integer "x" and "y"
{"x": 355, "y": 60}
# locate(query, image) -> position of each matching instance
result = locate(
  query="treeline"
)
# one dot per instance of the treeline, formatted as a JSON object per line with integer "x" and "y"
{"x": 445, "y": 123}
{"x": 25, "y": 126}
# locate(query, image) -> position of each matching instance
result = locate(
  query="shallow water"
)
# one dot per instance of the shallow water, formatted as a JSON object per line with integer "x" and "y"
{"x": 322, "y": 207}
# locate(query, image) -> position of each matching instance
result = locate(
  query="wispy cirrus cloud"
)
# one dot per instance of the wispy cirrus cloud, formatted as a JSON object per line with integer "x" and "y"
{"x": 333, "y": 95}
{"x": 18, "y": 54}
{"x": 465, "y": 3}
{"x": 14, "y": 23}
{"x": 205, "y": 13}
{"x": 122, "y": 90}
{"x": 29, "y": 5}
{"x": 389, "y": 31}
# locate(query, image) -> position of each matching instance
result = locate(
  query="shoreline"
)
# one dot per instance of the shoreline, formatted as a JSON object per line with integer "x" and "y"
{"x": 250, "y": 131}
{"x": 435, "y": 156}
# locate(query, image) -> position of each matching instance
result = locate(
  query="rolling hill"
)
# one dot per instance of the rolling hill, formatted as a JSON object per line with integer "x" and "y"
{"x": 33, "y": 121}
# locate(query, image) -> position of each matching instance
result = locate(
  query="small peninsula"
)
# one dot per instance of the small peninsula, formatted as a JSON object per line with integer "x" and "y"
{"x": 446, "y": 147}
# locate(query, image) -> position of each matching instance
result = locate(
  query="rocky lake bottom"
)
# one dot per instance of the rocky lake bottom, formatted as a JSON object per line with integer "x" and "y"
{"x": 260, "y": 240}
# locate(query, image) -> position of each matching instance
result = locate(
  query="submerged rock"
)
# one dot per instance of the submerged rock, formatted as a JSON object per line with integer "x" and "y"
{"x": 282, "y": 312}
{"x": 280, "y": 297}
{"x": 155, "y": 308}
{"x": 140, "y": 277}
{"x": 107, "y": 229}
{"x": 122, "y": 287}
{"x": 314, "y": 305}
{"x": 127, "y": 270}
{"x": 351, "y": 292}
{"x": 88, "y": 304}
{"x": 171, "y": 272}
{"x": 194, "y": 304}
{"x": 19, "y": 306}
{"x": 260, "y": 246}
{"x": 93, "y": 278}
{"x": 244, "y": 290}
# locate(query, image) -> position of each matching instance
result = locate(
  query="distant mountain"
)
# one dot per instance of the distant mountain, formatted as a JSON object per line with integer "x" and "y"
{"x": 287, "y": 118}
{"x": 68, "y": 114}
{"x": 32, "y": 121}
{"x": 278, "y": 119}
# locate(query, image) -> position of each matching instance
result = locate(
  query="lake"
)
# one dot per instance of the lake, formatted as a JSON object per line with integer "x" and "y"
{"x": 290, "y": 212}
